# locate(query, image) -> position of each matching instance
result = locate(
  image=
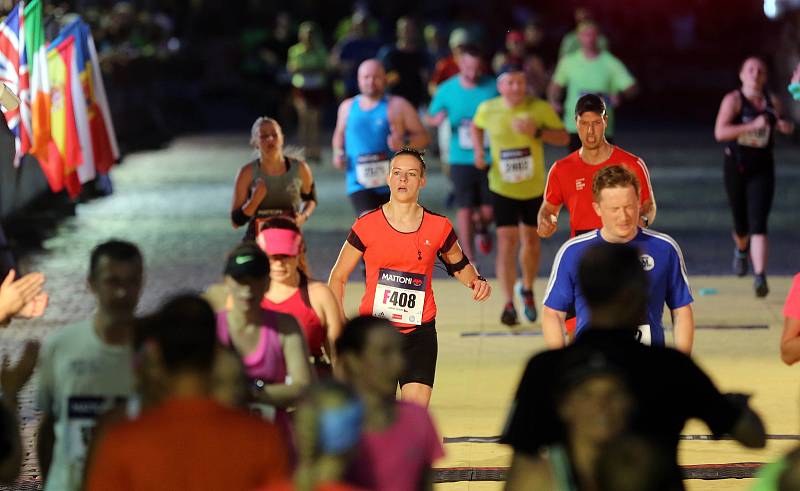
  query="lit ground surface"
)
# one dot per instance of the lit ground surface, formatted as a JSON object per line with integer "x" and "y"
{"x": 175, "y": 204}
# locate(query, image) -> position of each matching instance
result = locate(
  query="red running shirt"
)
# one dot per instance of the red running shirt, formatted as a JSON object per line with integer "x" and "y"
{"x": 400, "y": 266}
{"x": 308, "y": 319}
{"x": 569, "y": 183}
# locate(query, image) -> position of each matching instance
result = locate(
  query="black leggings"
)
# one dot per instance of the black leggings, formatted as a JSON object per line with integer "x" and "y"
{"x": 750, "y": 187}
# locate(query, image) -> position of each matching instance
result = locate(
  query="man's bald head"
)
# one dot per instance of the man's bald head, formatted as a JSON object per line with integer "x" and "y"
{"x": 371, "y": 78}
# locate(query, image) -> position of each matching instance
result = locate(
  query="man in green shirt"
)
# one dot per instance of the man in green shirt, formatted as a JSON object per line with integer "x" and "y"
{"x": 589, "y": 71}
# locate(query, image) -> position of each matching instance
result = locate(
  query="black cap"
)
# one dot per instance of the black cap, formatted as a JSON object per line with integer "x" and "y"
{"x": 590, "y": 103}
{"x": 509, "y": 68}
{"x": 247, "y": 260}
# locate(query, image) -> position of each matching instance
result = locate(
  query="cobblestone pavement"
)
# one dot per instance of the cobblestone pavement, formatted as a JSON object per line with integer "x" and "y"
{"x": 175, "y": 203}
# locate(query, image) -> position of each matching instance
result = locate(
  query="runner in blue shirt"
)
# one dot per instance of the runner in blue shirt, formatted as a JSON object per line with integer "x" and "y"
{"x": 454, "y": 104}
{"x": 616, "y": 201}
{"x": 370, "y": 127}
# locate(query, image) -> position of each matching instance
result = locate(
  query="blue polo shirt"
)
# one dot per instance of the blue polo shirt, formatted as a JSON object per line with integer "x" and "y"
{"x": 461, "y": 104}
{"x": 662, "y": 260}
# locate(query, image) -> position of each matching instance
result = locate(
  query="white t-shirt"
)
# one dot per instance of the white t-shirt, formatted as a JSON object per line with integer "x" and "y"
{"x": 79, "y": 378}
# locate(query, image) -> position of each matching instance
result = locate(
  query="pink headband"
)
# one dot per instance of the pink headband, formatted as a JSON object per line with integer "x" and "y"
{"x": 279, "y": 242}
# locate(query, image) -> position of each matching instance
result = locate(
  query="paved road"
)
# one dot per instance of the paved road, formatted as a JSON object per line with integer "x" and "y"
{"x": 174, "y": 203}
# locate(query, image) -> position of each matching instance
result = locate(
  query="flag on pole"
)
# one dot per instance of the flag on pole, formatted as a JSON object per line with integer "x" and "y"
{"x": 14, "y": 73}
{"x": 65, "y": 154}
{"x": 36, "y": 54}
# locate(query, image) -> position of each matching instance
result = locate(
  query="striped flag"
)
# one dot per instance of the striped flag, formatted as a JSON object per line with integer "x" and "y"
{"x": 65, "y": 152}
{"x": 14, "y": 73}
{"x": 36, "y": 54}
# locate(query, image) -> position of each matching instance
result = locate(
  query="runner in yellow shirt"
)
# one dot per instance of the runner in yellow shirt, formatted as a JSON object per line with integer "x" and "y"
{"x": 517, "y": 125}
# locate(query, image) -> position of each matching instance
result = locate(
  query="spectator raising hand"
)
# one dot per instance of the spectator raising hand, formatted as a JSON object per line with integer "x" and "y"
{"x": 23, "y": 297}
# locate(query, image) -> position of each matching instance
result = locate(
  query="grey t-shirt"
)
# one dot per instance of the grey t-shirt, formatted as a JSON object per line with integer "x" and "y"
{"x": 79, "y": 379}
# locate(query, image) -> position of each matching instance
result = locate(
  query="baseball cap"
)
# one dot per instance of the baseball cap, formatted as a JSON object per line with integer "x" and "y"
{"x": 514, "y": 35}
{"x": 590, "y": 103}
{"x": 458, "y": 37}
{"x": 279, "y": 241}
{"x": 246, "y": 261}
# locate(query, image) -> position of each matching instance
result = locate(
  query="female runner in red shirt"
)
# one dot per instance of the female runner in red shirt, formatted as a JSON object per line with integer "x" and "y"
{"x": 400, "y": 242}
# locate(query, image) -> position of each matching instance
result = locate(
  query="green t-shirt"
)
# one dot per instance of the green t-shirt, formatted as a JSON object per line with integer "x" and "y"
{"x": 570, "y": 44}
{"x": 517, "y": 169}
{"x": 604, "y": 75}
{"x": 307, "y": 66}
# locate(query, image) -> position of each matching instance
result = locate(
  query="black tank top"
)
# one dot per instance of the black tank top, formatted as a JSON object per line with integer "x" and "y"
{"x": 757, "y": 143}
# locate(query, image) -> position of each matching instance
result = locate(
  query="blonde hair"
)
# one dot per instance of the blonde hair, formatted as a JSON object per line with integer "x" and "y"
{"x": 293, "y": 151}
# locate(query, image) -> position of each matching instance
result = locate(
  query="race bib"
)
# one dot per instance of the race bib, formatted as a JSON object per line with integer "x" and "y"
{"x": 399, "y": 296}
{"x": 516, "y": 165}
{"x": 82, "y": 414}
{"x": 372, "y": 169}
{"x": 465, "y": 135}
{"x": 643, "y": 334}
{"x": 756, "y": 138}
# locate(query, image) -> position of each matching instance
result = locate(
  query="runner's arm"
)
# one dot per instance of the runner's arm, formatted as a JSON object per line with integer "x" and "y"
{"x": 554, "y": 322}
{"x": 295, "y": 352}
{"x": 337, "y": 142}
{"x": 345, "y": 264}
{"x": 785, "y": 126}
{"x": 417, "y": 134}
{"x": 468, "y": 275}
{"x": 241, "y": 191}
{"x": 558, "y": 137}
{"x": 790, "y": 341}
{"x": 332, "y": 317}
{"x": 683, "y": 322}
{"x": 307, "y": 193}
{"x": 545, "y": 225}
{"x": 649, "y": 210}
{"x": 724, "y": 130}
{"x": 554, "y": 94}
{"x": 435, "y": 119}
{"x": 478, "y": 152}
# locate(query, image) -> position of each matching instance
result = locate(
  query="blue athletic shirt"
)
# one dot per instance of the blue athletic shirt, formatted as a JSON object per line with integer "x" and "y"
{"x": 661, "y": 258}
{"x": 461, "y": 104}
{"x": 365, "y": 146}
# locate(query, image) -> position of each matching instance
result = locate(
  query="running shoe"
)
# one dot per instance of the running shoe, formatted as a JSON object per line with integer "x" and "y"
{"x": 527, "y": 300}
{"x": 484, "y": 242}
{"x": 739, "y": 262}
{"x": 760, "y": 285}
{"x": 509, "y": 315}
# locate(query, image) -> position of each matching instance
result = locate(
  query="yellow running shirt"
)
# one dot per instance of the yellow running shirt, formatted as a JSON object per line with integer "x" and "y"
{"x": 517, "y": 169}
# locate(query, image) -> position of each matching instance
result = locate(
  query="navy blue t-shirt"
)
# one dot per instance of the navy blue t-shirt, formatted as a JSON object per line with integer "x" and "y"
{"x": 662, "y": 260}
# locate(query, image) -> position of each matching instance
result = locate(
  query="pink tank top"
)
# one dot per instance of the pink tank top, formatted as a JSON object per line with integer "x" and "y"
{"x": 267, "y": 361}
{"x": 308, "y": 319}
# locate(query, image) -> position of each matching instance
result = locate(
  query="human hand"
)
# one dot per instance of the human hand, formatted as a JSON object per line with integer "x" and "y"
{"x": 547, "y": 226}
{"x": 340, "y": 160}
{"x": 480, "y": 289}
{"x": 524, "y": 125}
{"x": 259, "y": 191}
{"x": 12, "y": 379}
{"x": 480, "y": 159}
{"x": 300, "y": 219}
{"x": 760, "y": 122}
{"x": 785, "y": 127}
{"x": 15, "y": 295}
{"x": 34, "y": 308}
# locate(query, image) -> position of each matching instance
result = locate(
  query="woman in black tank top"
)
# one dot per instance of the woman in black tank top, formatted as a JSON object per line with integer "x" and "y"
{"x": 747, "y": 120}
{"x": 273, "y": 184}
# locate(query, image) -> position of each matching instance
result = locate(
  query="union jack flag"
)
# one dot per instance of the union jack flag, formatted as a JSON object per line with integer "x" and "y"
{"x": 14, "y": 73}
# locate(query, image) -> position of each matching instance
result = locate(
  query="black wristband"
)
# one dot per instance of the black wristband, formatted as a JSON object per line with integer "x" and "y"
{"x": 481, "y": 278}
{"x": 239, "y": 217}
